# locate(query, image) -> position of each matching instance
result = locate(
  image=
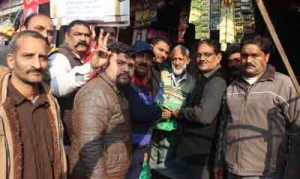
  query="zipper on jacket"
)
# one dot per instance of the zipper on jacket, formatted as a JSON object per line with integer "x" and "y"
{"x": 244, "y": 106}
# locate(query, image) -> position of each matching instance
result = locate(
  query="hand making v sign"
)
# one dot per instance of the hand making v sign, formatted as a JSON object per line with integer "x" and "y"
{"x": 101, "y": 55}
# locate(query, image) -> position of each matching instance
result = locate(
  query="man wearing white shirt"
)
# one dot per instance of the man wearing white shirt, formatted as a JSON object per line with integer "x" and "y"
{"x": 68, "y": 73}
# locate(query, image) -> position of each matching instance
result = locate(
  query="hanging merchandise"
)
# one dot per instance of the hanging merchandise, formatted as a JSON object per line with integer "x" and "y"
{"x": 227, "y": 30}
{"x": 237, "y": 20}
{"x": 200, "y": 17}
{"x": 247, "y": 11}
{"x": 144, "y": 13}
{"x": 152, "y": 33}
{"x": 215, "y": 10}
{"x": 182, "y": 26}
{"x": 139, "y": 34}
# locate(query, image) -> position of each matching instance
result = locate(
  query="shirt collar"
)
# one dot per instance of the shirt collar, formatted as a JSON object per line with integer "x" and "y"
{"x": 208, "y": 74}
{"x": 18, "y": 98}
{"x": 177, "y": 82}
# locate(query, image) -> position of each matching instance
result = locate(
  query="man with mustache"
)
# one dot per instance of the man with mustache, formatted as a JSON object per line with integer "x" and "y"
{"x": 177, "y": 84}
{"x": 31, "y": 143}
{"x": 198, "y": 116}
{"x": 261, "y": 119}
{"x": 67, "y": 70}
{"x": 143, "y": 109}
{"x": 101, "y": 140}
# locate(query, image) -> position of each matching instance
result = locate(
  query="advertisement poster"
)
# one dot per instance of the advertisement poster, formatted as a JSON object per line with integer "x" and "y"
{"x": 104, "y": 12}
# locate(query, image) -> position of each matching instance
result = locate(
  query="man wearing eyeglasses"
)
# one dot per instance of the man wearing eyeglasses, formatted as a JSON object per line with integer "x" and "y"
{"x": 198, "y": 117}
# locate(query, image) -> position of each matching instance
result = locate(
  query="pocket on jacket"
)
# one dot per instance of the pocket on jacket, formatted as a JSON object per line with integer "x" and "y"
{"x": 117, "y": 161}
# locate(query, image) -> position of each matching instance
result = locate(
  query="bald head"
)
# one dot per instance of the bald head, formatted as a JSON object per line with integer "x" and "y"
{"x": 41, "y": 24}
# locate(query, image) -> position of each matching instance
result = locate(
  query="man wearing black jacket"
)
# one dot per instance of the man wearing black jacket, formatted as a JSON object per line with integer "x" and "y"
{"x": 198, "y": 117}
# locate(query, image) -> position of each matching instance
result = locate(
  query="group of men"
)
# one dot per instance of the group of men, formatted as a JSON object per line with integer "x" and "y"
{"x": 143, "y": 101}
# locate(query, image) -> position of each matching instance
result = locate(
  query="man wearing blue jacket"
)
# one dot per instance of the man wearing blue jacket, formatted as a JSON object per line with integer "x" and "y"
{"x": 144, "y": 111}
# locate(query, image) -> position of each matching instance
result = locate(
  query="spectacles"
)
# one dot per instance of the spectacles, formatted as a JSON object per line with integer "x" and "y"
{"x": 206, "y": 54}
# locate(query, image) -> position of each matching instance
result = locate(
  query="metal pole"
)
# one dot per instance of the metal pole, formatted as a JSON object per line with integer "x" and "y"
{"x": 276, "y": 40}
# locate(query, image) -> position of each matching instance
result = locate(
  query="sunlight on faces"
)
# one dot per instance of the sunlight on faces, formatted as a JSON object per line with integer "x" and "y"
{"x": 123, "y": 76}
{"x": 30, "y": 62}
{"x": 254, "y": 60}
{"x": 79, "y": 39}
{"x": 43, "y": 25}
{"x": 207, "y": 59}
{"x": 117, "y": 69}
{"x": 143, "y": 63}
{"x": 179, "y": 62}
{"x": 161, "y": 50}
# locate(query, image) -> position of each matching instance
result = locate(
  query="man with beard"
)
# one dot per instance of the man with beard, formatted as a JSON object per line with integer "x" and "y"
{"x": 67, "y": 71}
{"x": 142, "y": 107}
{"x": 177, "y": 84}
{"x": 101, "y": 141}
{"x": 161, "y": 48}
{"x": 31, "y": 144}
{"x": 198, "y": 116}
{"x": 234, "y": 63}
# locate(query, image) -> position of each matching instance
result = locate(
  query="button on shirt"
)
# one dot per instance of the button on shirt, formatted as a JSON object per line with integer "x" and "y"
{"x": 36, "y": 134}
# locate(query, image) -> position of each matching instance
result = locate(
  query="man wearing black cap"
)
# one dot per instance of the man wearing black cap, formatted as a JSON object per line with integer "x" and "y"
{"x": 142, "y": 107}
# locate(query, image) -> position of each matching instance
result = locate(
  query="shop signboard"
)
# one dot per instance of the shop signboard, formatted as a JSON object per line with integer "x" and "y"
{"x": 103, "y": 12}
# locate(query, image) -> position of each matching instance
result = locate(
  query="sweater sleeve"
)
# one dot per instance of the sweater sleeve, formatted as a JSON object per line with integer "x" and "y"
{"x": 206, "y": 111}
{"x": 64, "y": 79}
{"x": 139, "y": 108}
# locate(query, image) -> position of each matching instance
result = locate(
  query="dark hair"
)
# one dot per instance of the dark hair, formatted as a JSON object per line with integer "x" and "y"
{"x": 26, "y": 33}
{"x": 264, "y": 43}
{"x": 213, "y": 43}
{"x": 77, "y": 22}
{"x": 120, "y": 47}
{"x": 233, "y": 48}
{"x": 157, "y": 39}
{"x": 30, "y": 17}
